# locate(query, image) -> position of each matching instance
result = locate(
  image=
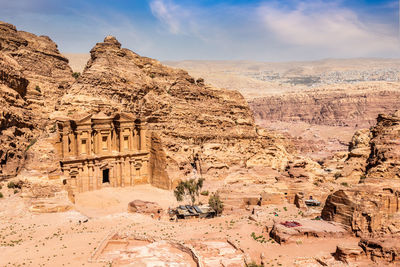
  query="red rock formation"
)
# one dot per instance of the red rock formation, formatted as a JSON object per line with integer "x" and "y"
{"x": 350, "y": 106}
{"x": 188, "y": 116}
{"x": 372, "y": 207}
{"x": 33, "y": 75}
{"x": 384, "y": 159}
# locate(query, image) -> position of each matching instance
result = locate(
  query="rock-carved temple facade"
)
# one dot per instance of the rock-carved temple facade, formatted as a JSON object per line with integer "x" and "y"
{"x": 99, "y": 150}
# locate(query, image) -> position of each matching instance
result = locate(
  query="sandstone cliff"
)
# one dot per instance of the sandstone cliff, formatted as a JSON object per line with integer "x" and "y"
{"x": 371, "y": 208}
{"x": 349, "y": 105}
{"x": 189, "y": 116}
{"x": 33, "y": 75}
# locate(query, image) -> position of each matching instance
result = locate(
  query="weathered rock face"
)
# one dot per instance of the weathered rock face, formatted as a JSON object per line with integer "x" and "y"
{"x": 33, "y": 75}
{"x": 188, "y": 116}
{"x": 382, "y": 250}
{"x": 384, "y": 159}
{"x": 358, "y": 108}
{"x": 371, "y": 208}
{"x": 355, "y": 165}
{"x": 17, "y": 126}
{"x": 374, "y": 155}
{"x": 368, "y": 210}
{"x": 40, "y": 62}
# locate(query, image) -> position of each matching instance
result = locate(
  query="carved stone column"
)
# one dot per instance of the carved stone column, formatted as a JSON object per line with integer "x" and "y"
{"x": 65, "y": 148}
{"x": 85, "y": 177}
{"x": 90, "y": 174}
{"x": 89, "y": 152}
{"x": 78, "y": 141}
{"x": 79, "y": 180}
{"x": 109, "y": 149}
{"x": 143, "y": 134}
{"x": 137, "y": 140}
{"x": 131, "y": 135}
{"x": 121, "y": 145}
{"x": 122, "y": 170}
{"x": 95, "y": 176}
{"x": 113, "y": 176}
{"x": 131, "y": 172}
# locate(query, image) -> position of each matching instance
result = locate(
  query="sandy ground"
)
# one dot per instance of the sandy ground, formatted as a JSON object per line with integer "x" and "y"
{"x": 58, "y": 239}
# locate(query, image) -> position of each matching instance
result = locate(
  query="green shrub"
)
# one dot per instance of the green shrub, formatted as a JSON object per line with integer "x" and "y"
{"x": 31, "y": 143}
{"x": 253, "y": 264}
{"x": 345, "y": 184}
{"x": 1, "y": 195}
{"x": 205, "y": 193}
{"x": 152, "y": 75}
{"x": 13, "y": 185}
{"x": 37, "y": 88}
{"x": 216, "y": 203}
{"x": 76, "y": 75}
{"x": 16, "y": 191}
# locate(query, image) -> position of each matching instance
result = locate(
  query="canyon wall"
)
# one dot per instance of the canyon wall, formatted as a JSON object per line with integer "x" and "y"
{"x": 371, "y": 206}
{"x": 33, "y": 75}
{"x": 350, "y": 105}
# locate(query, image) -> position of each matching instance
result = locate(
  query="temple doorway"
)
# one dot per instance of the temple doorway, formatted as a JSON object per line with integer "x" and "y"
{"x": 106, "y": 176}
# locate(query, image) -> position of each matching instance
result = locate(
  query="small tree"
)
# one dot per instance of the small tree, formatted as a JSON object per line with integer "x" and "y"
{"x": 189, "y": 189}
{"x": 76, "y": 75}
{"x": 216, "y": 203}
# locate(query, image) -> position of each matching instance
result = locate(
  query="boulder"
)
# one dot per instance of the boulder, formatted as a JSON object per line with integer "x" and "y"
{"x": 293, "y": 231}
{"x": 345, "y": 252}
{"x": 146, "y": 207}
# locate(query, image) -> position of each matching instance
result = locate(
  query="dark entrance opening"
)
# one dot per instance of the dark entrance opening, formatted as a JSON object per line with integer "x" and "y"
{"x": 106, "y": 176}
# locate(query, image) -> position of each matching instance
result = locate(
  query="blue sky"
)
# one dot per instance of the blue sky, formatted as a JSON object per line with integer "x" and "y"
{"x": 261, "y": 30}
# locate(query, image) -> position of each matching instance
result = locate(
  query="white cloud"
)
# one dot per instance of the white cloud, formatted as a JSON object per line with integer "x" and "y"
{"x": 169, "y": 13}
{"x": 327, "y": 26}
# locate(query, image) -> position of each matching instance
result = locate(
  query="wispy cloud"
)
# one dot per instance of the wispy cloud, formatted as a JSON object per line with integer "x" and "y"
{"x": 222, "y": 29}
{"x": 170, "y": 14}
{"x": 328, "y": 26}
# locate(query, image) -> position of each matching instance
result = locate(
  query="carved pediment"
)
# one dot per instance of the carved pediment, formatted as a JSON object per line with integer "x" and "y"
{"x": 85, "y": 119}
{"x": 124, "y": 117}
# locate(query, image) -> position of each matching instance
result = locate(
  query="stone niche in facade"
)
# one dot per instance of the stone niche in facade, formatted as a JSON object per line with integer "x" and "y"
{"x": 100, "y": 150}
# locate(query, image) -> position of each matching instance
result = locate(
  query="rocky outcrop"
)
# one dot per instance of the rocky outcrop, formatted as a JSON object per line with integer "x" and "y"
{"x": 33, "y": 75}
{"x": 384, "y": 159}
{"x": 356, "y": 107}
{"x": 288, "y": 232}
{"x": 17, "y": 125}
{"x": 40, "y": 62}
{"x": 355, "y": 165}
{"x": 346, "y": 253}
{"x": 189, "y": 117}
{"x": 374, "y": 155}
{"x": 145, "y": 207}
{"x": 382, "y": 250}
{"x": 369, "y": 210}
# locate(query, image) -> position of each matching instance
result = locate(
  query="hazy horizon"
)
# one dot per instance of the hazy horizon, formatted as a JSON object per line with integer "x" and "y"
{"x": 263, "y": 30}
